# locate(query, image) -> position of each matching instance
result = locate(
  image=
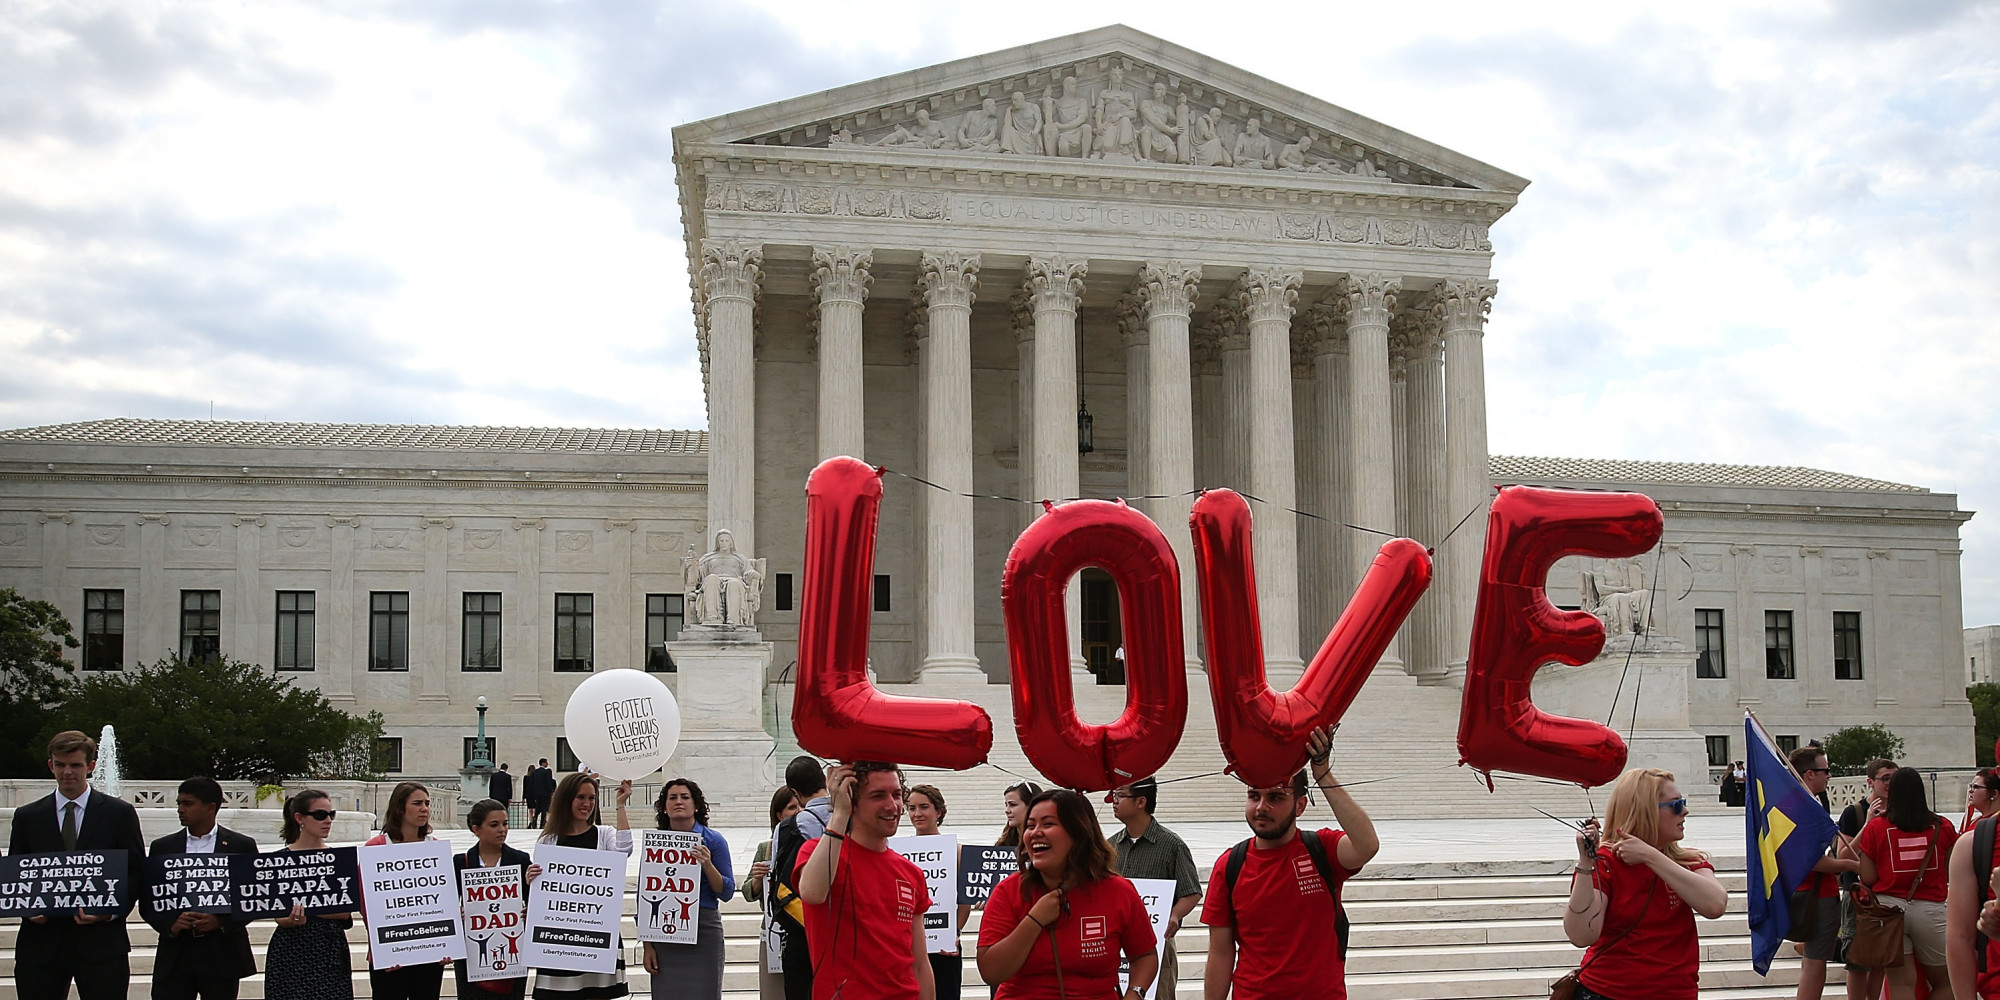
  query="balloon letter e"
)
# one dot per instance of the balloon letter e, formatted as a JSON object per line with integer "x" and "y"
{"x": 1515, "y": 630}
{"x": 837, "y": 712}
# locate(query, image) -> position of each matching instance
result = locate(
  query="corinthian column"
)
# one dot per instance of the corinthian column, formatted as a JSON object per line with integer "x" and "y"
{"x": 1232, "y": 342}
{"x": 1166, "y": 292}
{"x": 841, "y": 276}
{"x": 1371, "y": 298}
{"x": 948, "y": 278}
{"x": 1423, "y": 346}
{"x": 1053, "y": 285}
{"x": 729, "y": 282}
{"x": 1332, "y": 487}
{"x": 1267, "y": 295}
{"x": 1022, "y": 307}
{"x": 1462, "y": 306}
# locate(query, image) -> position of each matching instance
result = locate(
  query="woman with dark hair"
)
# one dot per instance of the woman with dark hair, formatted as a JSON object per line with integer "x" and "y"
{"x": 488, "y": 822}
{"x": 1633, "y": 898}
{"x": 407, "y": 820}
{"x": 925, "y": 804}
{"x": 1982, "y": 797}
{"x": 1016, "y": 799}
{"x": 785, "y": 803}
{"x": 308, "y": 957}
{"x": 1032, "y": 940}
{"x": 572, "y": 823}
{"x": 694, "y": 971}
{"x": 1904, "y": 855}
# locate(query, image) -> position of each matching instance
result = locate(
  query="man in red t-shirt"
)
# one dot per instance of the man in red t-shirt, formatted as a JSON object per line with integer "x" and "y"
{"x": 1823, "y": 945}
{"x": 864, "y": 903}
{"x": 1274, "y": 934}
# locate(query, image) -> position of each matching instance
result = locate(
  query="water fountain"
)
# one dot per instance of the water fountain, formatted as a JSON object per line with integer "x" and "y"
{"x": 108, "y": 778}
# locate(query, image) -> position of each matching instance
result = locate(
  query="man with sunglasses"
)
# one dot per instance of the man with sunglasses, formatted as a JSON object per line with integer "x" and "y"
{"x": 1822, "y": 944}
{"x": 1861, "y": 979}
{"x": 1147, "y": 849}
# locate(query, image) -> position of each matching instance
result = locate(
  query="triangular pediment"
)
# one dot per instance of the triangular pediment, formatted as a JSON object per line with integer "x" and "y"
{"x": 1111, "y": 95}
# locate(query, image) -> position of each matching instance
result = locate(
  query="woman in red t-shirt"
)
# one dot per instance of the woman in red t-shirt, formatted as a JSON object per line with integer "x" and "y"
{"x": 1633, "y": 899}
{"x": 1057, "y": 930}
{"x": 1964, "y": 939}
{"x": 1907, "y": 841}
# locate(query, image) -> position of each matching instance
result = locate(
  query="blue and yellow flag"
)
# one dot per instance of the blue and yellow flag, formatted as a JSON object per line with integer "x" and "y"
{"x": 1787, "y": 832}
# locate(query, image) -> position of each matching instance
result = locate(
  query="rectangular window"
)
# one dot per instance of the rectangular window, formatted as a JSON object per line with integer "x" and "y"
{"x": 784, "y": 589}
{"x": 1778, "y": 646}
{"x": 388, "y": 754}
{"x": 201, "y": 624}
{"x": 1709, "y": 660}
{"x": 295, "y": 631}
{"x": 482, "y": 632}
{"x": 665, "y": 614}
{"x": 1787, "y": 744}
{"x": 1847, "y": 645}
{"x": 1718, "y": 751}
{"x": 882, "y": 592}
{"x": 573, "y": 633}
{"x": 565, "y": 759}
{"x": 103, "y": 630}
{"x": 472, "y": 748}
{"x": 389, "y": 630}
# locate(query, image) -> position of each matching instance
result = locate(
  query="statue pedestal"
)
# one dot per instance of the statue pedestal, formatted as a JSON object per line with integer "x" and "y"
{"x": 720, "y": 687}
{"x": 1658, "y": 680}
{"x": 474, "y": 783}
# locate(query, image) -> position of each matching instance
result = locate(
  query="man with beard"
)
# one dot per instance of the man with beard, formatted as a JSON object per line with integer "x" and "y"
{"x": 1276, "y": 929}
{"x": 864, "y": 903}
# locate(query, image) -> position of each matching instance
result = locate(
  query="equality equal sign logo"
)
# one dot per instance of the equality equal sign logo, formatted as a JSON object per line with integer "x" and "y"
{"x": 1909, "y": 850}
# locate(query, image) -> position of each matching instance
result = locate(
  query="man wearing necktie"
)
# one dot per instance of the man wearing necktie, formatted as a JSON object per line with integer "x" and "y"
{"x": 90, "y": 949}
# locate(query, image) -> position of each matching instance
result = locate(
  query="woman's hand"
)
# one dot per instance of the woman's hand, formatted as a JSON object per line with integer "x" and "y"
{"x": 1586, "y": 842}
{"x": 534, "y": 872}
{"x": 296, "y": 918}
{"x": 1634, "y": 851}
{"x": 701, "y": 854}
{"x": 1047, "y": 909}
{"x": 624, "y": 793}
{"x": 652, "y": 960}
{"x": 758, "y": 870}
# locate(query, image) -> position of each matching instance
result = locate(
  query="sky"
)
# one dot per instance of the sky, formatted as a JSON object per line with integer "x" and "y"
{"x": 1760, "y": 233}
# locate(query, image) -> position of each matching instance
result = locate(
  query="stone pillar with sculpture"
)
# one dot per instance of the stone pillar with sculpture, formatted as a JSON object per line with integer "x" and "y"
{"x": 721, "y": 664}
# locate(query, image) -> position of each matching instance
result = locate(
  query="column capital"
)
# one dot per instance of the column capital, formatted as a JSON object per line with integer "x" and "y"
{"x": 1268, "y": 292}
{"x": 1132, "y": 327}
{"x": 841, "y": 273}
{"x": 1226, "y": 327}
{"x": 1327, "y": 321}
{"x": 918, "y": 321}
{"x": 1399, "y": 353}
{"x": 1021, "y": 305}
{"x": 730, "y": 269}
{"x": 948, "y": 277}
{"x": 1370, "y": 297}
{"x": 1054, "y": 282}
{"x": 1462, "y": 304}
{"x": 1305, "y": 348}
{"x": 1167, "y": 287}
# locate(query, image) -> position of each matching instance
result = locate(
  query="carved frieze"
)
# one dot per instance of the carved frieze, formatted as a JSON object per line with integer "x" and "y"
{"x": 12, "y": 534}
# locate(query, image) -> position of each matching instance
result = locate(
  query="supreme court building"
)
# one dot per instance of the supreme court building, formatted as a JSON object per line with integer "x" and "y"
{"x": 1101, "y": 265}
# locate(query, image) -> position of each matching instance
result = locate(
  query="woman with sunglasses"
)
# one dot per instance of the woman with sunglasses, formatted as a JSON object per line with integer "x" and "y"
{"x": 1633, "y": 899}
{"x": 573, "y": 822}
{"x": 308, "y": 957}
{"x": 1904, "y": 854}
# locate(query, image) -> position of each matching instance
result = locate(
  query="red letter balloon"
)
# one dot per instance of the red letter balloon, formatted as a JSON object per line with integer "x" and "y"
{"x": 1515, "y": 630}
{"x": 836, "y": 711}
{"x": 1131, "y": 548}
{"x": 1263, "y": 733}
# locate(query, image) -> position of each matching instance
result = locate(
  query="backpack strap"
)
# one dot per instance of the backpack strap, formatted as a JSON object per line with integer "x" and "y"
{"x": 1315, "y": 848}
{"x": 1982, "y": 862}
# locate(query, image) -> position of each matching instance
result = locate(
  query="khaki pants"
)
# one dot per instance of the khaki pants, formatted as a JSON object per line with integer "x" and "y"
{"x": 1170, "y": 974}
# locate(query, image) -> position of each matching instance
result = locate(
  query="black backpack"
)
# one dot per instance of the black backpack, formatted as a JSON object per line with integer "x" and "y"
{"x": 1317, "y": 849}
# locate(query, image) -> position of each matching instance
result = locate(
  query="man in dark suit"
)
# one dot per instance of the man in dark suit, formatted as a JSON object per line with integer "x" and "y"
{"x": 90, "y": 949}
{"x": 537, "y": 787}
{"x": 202, "y": 954}
{"x": 501, "y": 787}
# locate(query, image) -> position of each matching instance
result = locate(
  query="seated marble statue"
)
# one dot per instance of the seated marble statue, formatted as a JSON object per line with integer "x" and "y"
{"x": 1160, "y": 129}
{"x": 724, "y": 587}
{"x": 1618, "y": 595}
{"x": 1021, "y": 130}
{"x": 1254, "y": 150}
{"x": 1206, "y": 148}
{"x": 926, "y": 134}
{"x": 979, "y": 130}
{"x": 1292, "y": 156}
{"x": 1066, "y": 127}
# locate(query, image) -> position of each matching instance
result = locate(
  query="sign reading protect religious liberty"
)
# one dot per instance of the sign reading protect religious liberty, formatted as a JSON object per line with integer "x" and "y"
{"x": 573, "y": 915}
{"x": 184, "y": 883}
{"x": 938, "y": 857}
{"x": 322, "y": 881}
{"x": 980, "y": 868}
{"x": 669, "y": 886}
{"x": 496, "y": 922}
{"x": 1158, "y": 895}
{"x": 64, "y": 882}
{"x": 411, "y": 902}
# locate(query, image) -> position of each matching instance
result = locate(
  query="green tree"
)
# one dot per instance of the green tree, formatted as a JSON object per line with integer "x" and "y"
{"x": 1985, "y": 700}
{"x": 34, "y": 678}
{"x": 1847, "y": 750}
{"x": 219, "y": 717}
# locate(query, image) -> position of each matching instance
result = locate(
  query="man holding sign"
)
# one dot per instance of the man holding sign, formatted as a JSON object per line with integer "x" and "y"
{"x": 864, "y": 903}
{"x": 89, "y": 948}
{"x": 204, "y": 954}
{"x": 1147, "y": 850}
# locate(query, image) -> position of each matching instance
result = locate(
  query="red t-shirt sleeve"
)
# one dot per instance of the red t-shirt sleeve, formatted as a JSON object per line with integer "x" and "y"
{"x": 1331, "y": 840}
{"x": 1217, "y": 909}
{"x": 1138, "y": 930}
{"x": 1003, "y": 912}
{"x": 805, "y": 852}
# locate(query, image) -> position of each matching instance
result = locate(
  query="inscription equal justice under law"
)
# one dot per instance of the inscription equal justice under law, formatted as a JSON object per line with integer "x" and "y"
{"x": 1086, "y": 216}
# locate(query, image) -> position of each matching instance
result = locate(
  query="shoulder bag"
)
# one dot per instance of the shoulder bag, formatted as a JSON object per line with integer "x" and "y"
{"x": 1878, "y": 924}
{"x": 1566, "y": 987}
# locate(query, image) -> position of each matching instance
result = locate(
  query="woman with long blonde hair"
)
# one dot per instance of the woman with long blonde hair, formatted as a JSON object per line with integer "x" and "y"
{"x": 1634, "y": 896}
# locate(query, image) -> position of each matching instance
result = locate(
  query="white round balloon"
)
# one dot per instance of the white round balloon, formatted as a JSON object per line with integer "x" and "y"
{"x": 622, "y": 723}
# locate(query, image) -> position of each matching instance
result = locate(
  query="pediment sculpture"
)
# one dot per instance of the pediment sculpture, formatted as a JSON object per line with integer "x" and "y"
{"x": 723, "y": 587}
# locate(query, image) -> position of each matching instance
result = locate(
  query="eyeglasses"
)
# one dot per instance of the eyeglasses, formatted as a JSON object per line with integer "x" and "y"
{"x": 1113, "y": 797}
{"x": 321, "y": 814}
{"x": 1679, "y": 806}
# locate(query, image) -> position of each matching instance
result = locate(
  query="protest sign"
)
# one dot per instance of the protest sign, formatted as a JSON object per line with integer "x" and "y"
{"x": 938, "y": 858}
{"x": 411, "y": 900}
{"x": 325, "y": 880}
{"x": 64, "y": 882}
{"x": 980, "y": 868}
{"x": 184, "y": 883}
{"x": 1158, "y": 895}
{"x": 496, "y": 919}
{"x": 669, "y": 886}
{"x": 573, "y": 913}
